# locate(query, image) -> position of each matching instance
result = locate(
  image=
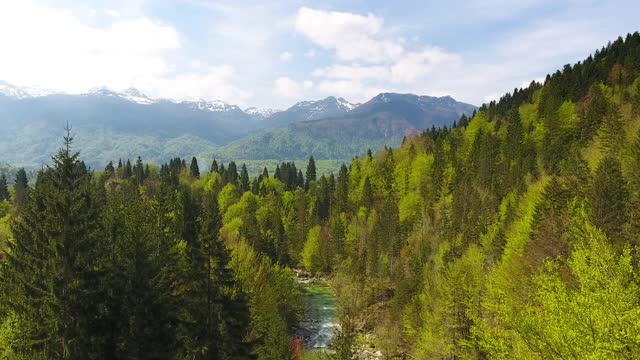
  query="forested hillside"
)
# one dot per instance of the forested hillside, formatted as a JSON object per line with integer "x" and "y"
{"x": 511, "y": 235}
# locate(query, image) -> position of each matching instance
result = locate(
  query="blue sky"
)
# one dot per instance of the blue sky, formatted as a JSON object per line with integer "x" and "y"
{"x": 274, "y": 53}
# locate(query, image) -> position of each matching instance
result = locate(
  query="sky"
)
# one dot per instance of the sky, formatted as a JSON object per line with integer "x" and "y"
{"x": 271, "y": 54}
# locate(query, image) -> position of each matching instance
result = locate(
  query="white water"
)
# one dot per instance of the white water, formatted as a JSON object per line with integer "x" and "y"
{"x": 319, "y": 324}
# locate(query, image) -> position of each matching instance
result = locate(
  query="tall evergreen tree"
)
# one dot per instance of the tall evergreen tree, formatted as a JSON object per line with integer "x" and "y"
{"x": 214, "y": 166}
{"x": 51, "y": 274}
{"x": 128, "y": 170}
{"x": 227, "y": 314}
{"x": 195, "y": 170}
{"x": 4, "y": 188}
{"x": 244, "y": 179}
{"x": 609, "y": 198}
{"x": 139, "y": 170}
{"x": 311, "y": 171}
{"x": 110, "y": 169}
{"x": 21, "y": 189}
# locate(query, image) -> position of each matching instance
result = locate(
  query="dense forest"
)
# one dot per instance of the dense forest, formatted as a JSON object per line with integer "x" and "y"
{"x": 512, "y": 234}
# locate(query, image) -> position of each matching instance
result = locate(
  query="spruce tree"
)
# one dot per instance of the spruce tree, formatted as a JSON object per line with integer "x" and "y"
{"x": 214, "y": 166}
{"x": 231, "y": 175}
{"x": 300, "y": 179}
{"x": 226, "y": 320}
{"x": 139, "y": 170}
{"x": 128, "y": 170}
{"x": 609, "y": 198}
{"x": 21, "y": 189}
{"x": 51, "y": 277}
{"x": 195, "y": 170}
{"x": 110, "y": 169}
{"x": 4, "y": 188}
{"x": 244, "y": 179}
{"x": 311, "y": 171}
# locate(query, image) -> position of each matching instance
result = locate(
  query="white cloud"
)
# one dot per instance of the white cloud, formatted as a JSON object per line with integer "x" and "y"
{"x": 359, "y": 39}
{"x": 56, "y": 49}
{"x": 287, "y": 87}
{"x": 310, "y": 53}
{"x": 416, "y": 65}
{"x": 352, "y": 36}
{"x": 285, "y": 56}
{"x": 210, "y": 82}
{"x": 353, "y": 72}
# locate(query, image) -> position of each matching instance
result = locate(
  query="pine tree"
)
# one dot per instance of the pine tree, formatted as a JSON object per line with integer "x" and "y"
{"x": 609, "y": 198}
{"x": 195, "y": 170}
{"x": 265, "y": 173}
{"x": 311, "y": 171}
{"x": 128, "y": 170}
{"x": 342, "y": 188}
{"x": 21, "y": 189}
{"x": 50, "y": 277}
{"x": 139, "y": 170}
{"x": 367, "y": 194}
{"x": 110, "y": 169}
{"x": 244, "y": 179}
{"x": 227, "y": 312}
{"x": 4, "y": 188}
{"x": 277, "y": 174}
{"x": 300, "y": 179}
{"x": 214, "y": 166}
{"x": 231, "y": 175}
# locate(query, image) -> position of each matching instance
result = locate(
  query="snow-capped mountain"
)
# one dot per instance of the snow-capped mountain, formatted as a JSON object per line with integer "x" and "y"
{"x": 16, "y": 92}
{"x": 326, "y": 107}
{"x": 215, "y": 105}
{"x": 131, "y": 94}
{"x": 312, "y": 110}
{"x": 260, "y": 114}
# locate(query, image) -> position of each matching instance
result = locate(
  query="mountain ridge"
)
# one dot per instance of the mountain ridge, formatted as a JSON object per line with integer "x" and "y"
{"x": 129, "y": 123}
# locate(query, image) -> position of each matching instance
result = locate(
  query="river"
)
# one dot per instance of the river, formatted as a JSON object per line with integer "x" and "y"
{"x": 319, "y": 321}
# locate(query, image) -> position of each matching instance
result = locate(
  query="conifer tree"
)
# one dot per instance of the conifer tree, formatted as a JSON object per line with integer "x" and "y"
{"x": 21, "y": 189}
{"x": 265, "y": 173}
{"x": 51, "y": 274}
{"x": 227, "y": 318}
{"x": 128, "y": 170}
{"x": 311, "y": 171}
{"x": 4, "y": 188}
{"x": 244, "y": 179}
{"x": 195, "y": 170}
{"x": 277, "y": 174}
{"x": 214, "y": 166}
{"x": 110, "y": 169}
{"x": 367, "y": 194}
{"x": 231, "y": 175}
{"x": 609, "y": 197}
{"x": 139, "y": 170}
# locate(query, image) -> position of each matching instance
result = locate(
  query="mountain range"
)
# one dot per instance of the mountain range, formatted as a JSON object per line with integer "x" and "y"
{"x": 109, "y": 125}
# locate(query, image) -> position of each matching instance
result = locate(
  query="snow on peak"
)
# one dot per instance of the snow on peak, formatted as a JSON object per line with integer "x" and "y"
{"x": 134, "y": 95}
{"x": 214, "y": 105}
{"x": 131, "y": 94}
{"x": 22, "y": 92}
{"x": 265, "y": 113}
{"x": 345, "y": 104}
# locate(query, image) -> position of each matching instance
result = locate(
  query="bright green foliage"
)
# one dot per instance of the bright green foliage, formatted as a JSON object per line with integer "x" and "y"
{"x": 311, "y": 255}
{"x": 598, "y": 317}
{"x": 468, "y": 242}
